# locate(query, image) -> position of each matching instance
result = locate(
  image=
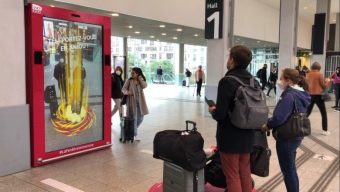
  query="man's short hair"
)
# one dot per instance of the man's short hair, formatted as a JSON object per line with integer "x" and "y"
{"x": 316, "y": 66}
{"x": 241, "y": 56}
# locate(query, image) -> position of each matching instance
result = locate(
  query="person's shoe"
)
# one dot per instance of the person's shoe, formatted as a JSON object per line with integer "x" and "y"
{"x": 337, "y": 109}
{"x": 334, "y": 107}
{"x": 325, "y": 133}
{"x": 136, "y": 138}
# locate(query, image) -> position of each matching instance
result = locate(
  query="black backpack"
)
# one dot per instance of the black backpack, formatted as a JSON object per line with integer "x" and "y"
{"x": 250, "y": 108}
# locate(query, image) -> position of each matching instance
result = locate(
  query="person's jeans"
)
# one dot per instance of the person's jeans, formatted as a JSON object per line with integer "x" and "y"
{"x": 317, "y": 99}
{"x": 138, "y": 119}
{"x": 263, "y": 85}
{"x": 117, "y": 107}
{"x": 286, "y": 153}
{"x": 199, "y": 86}
{"x": 236, "y": 168}
{"x": 272, "y": 86}
{"x": 337, "y": 94}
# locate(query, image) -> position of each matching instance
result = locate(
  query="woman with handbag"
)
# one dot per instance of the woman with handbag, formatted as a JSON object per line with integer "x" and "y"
{"x": 294, "y": 97}
{"x": 135, "y": 102}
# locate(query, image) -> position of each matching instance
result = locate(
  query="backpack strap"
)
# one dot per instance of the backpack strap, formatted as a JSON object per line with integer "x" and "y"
{"x": 251, "y": 82}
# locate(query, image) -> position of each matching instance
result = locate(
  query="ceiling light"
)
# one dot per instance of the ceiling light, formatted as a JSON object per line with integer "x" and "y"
{"x": 137, "y": 32}
{"x": 130, "y": 26}
{"x": 179, "y": 30}
{"x": 196, "y": 35}
{"x": 129, "y": 36}
{"x": 305, "y": 8}
{"x": 152, "y": 36}
{"x": 163, "y": 34}
{"x": 161, "y": 26}
{"x": 157, "y": 40}
{"x": 174, "y": 38}
{"x": 115, "y": 14}
{"x": 334, "y": 20}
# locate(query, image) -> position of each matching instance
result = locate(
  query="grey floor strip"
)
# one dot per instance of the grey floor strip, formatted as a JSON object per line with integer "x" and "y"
{"x": 325, "y": 145}
{"x": 326, "y": 178}
{"x": 322, "y": 183}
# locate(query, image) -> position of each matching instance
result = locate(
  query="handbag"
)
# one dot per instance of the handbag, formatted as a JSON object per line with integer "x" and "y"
{"x": 124, "y": 98}
{"x": 183, "y": 148}
{"x": 260, "y": 156}
{"x": 297, "y": 125}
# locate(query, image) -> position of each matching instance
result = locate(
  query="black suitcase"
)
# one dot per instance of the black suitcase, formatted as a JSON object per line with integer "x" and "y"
{"x": 127, "y": 131}
{"x": 184, "y": 83}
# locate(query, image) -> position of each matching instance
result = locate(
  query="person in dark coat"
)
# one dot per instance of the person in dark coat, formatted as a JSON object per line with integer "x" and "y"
{"x": 116, "y": 90}
{"x": 272, "y": 80}
{"x": 234, "y": 144}
{"x": 262, "y": 75}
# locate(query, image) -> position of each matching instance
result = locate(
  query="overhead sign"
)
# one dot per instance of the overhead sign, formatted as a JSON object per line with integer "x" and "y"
{"x": 213, "y": 19}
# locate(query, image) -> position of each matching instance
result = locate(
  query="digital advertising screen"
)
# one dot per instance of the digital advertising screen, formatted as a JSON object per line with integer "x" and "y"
{"x": 73, "y": 111}
{"x": 68, "y": 81}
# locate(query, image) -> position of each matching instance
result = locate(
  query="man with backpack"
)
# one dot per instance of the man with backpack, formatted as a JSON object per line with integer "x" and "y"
{"x": 235, "y": 141}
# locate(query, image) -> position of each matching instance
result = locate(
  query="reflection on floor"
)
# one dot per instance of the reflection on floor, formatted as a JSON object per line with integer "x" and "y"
{"x": 130, "y": 167}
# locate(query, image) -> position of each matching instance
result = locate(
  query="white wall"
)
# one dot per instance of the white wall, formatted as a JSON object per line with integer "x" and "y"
{"x": 304, "y": 36}
{"x": 12, "y": 54}
{"x": 260, "y": 21}
{"x": 183, "y": 12}
{"x": 256, "y": 20}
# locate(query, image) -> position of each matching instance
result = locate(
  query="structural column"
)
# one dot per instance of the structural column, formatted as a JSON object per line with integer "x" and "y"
{"x": 125, "y": 53}
{"x": 337, "y": 33}
{"x": 181, "y": 58}
{"x": 323, "y": 6}
{"x": 217, "y": 53}
{"x": 288, "y": 33}
{"x": 289, "y": 10}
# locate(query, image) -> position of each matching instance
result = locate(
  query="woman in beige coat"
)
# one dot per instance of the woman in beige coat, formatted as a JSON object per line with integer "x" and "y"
{"x": 135, "y": 102}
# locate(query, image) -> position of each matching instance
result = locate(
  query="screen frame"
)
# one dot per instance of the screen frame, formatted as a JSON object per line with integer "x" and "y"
{"x": 35, "y": 80}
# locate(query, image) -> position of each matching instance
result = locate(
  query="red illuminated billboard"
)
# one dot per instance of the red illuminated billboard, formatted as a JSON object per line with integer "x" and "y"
{"x": 68, "y": 82}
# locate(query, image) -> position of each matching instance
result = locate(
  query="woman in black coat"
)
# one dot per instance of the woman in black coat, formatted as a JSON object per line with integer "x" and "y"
{"x": 117, "y": 84}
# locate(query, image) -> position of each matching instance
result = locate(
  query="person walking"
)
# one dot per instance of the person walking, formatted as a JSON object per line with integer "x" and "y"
{"x": 294, "y": 87}
{"x": 272, "y": 80}
{"x": 234, "y": 144}
{"x": 160, "y": 74}
{"x": 187, "y": 75}
{"x": 336, "y": 84}
{"x": 200, "y": 79}
{"x": 135, "y": 102}
{"x": 116, "y": 90}
{"x": 317, "y": 85}
{"x": 262, "y": 75}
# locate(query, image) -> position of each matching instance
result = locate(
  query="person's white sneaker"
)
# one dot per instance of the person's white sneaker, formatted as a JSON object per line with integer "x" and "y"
{"x": 136, "y": 138}
{"x": 325, "y": 133}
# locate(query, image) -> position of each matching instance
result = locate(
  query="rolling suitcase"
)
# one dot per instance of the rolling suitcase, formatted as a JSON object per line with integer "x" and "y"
{"x": 127, "y": 131}
{"x": 184, "y": 83}
{"x": 176, "y": 179}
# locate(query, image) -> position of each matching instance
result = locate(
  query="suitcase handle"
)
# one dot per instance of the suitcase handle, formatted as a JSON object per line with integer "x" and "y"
{"x": 187, "y": 122}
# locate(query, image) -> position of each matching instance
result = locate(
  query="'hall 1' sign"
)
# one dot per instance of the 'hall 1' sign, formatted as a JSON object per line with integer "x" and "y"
{"x": 213, "y": 19}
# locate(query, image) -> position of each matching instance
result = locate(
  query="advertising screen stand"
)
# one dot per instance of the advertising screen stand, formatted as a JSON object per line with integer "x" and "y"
{"x": 68, "y": 82}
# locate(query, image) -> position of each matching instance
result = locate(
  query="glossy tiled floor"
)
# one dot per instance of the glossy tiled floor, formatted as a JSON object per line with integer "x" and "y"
{"x": 130, "y": 167}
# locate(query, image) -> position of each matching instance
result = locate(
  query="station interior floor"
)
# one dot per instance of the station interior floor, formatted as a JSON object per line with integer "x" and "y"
{"x": 131, "y": 167}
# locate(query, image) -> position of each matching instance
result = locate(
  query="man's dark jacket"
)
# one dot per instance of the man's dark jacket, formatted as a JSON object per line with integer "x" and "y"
{"x": 231, "y": 139}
